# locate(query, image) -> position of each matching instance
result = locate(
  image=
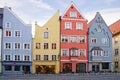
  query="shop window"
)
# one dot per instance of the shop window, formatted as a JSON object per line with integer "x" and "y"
{"x": 8, "y": 68}
{"x": 105, "y": 65}
{"x": 17, "y": 68}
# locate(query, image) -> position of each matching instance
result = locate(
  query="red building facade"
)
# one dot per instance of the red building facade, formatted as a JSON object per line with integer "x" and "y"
{"x": 74, "y": 44}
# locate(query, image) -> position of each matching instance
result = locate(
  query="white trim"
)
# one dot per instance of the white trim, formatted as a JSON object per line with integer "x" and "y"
{"x": 27, "y": 54}
{"x": 75, "y": 7}
{"x": 14, "y": 57}
{"x": 20, "y": 33}
{"x": 7, "y": 54}
{"x": 93, "y": 38}
{"x": 62, "y": 52}
{"x": 29, "y": 46}
{"x": 77, "y": 26}
{"x": 5, "y": 46}
{"x": 83, "y": 36}
{"x": 14, "y": 46}
{"x": 70, "y": 27}
{"x": 73, "y": 19}
{"x": 5, "y": 33}
{"x": 76, "y": 60}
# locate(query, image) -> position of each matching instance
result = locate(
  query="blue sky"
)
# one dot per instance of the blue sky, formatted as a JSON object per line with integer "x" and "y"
{"x": 41, "y": 10}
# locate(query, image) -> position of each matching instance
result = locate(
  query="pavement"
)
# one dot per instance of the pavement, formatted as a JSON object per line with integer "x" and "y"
{"x": 69, "y": 76}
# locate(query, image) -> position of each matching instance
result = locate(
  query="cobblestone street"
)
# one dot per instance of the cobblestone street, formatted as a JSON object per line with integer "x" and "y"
{"x": 80, "y": 76}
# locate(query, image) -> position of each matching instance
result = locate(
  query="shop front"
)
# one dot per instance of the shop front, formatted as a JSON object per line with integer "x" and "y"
{"x": 45, "y": 69}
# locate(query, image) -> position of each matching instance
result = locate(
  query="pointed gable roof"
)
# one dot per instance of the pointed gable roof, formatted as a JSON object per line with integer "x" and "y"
{"x": 115, "y": 27}
{"x": 98, "y": 19}
{"x": 72, "y": 7}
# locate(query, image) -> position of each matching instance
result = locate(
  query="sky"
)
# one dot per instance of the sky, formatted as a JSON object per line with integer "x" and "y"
{"x": 31, "y": 11}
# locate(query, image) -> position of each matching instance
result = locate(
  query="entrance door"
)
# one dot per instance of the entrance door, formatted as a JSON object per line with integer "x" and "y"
{"x": 67, "y": 67}
{"x": 95, "y": 68}
{"x": 26, "y": 69}
{"x": 80, "y": 67}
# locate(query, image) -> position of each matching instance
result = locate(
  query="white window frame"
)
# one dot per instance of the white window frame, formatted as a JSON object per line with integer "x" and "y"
{"x": 84, "y": 54}
{"x": 10, "y": 46}
{"x": 68, "y": 25}
{"x": 6, "y": 24}
{"x": 24, "y": 46}
{"x": 17, "y": 46}
{"x": 8, "y": 30}
{"x": 84, "y": 38}
{"x": 17, "y": 57}
{"x": 79, "y": 26}
{"x": 44, "y": 35}
{"x": 17, "y": 31}
{"x": 74, "y": 54}
{"x": 27, "y": 57}
{"x": 5, "y": 57}
{"x": 64, "y": 37}
{"x": 72, "y": 39}
{"x": 73, "y": 14}
{"x": 93, "y": 38}
{"x": 104, "y": 40}
{"x": 66, "y": 54}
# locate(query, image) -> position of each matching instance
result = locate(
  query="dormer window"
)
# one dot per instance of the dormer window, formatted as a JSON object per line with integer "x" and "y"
{"x": 73, "y": 14}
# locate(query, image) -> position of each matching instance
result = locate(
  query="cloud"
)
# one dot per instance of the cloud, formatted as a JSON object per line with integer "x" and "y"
{"x": 10, "y": 3}
{"x": 109, "y": 15}
{"x": 41, "y": 4}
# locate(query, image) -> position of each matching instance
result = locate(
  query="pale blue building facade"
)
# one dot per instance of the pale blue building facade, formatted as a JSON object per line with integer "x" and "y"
{"x": 16, "y": 44}
{"x": 100, "y": 45}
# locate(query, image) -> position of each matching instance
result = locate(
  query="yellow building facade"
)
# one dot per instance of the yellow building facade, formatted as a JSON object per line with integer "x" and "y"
{"x": 115, "y": 29}
{"x": 116, "y": 51}
{"x": 46, "y": 46}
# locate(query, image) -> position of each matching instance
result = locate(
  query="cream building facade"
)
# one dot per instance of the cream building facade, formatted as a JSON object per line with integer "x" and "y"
{"x": 46, "y": 46}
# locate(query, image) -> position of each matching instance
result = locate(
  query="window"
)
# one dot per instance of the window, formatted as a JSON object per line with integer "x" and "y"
{"x": 8, "y": 46}
{"x": 17, "y": 68}
{"x": 17, "y": 57}
{"x": 38, "y": 57}
{"x": 17, "y": 46}
{"x": 116, "y": 52}
{"x": 79, "y": 26}
{"x": 64, "y": 38}
{"x": 26, "y": 58}
{"x": 45, "y": 45}
{"x": 46, "y": 35}
{"x": 8, "y": 33}
{"x": 74, "y": 52}
{"x": 82, "y": 53}
{"x": 73, "y": 39}
{"x": 105, "y": 53}
{"x": 38, "y": 45}
{"x": 105, "y": 65}
{"x": 116, "y": 64}
{"x": 94, "y": 40}
{"x": 97, "y": 53}
{"x": 7, "y": 57}
{"x": 53, "y": 45}
{"x": 8, "y": 68}
{"x": 1, "y": 15}
{"x": 64, "y": 52}
{"x": 104, "y": 40}
{"x": 53, "y": 57}
{"x": 26, "y": 46}
{"x": 68, "y": 25}
{"x": 45, "y": 57}
{"x": 115, "y": 40}
{"x": 17, "y": 33}
{"x": 99, "y": 28}
{"x": 8, "y": 24}
{"x": 82, "y": 39}
{"x": 73, "y": 14}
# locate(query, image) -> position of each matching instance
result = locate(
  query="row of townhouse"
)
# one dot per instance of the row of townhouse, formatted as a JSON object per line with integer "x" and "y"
{"x": 63, "y": 44}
